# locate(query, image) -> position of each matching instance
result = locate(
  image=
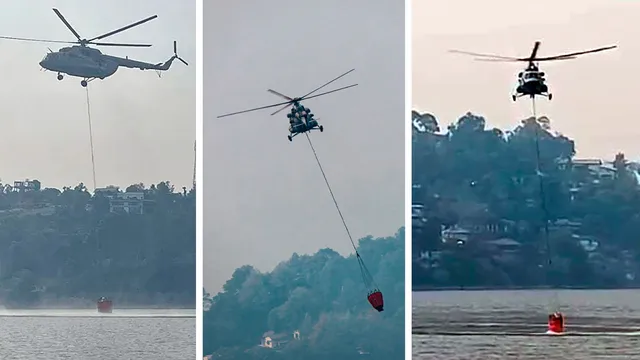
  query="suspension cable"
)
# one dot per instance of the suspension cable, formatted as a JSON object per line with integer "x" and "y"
{"x": 335, "y": 202}
{"x": 93, "y": 161}
{"x": 543, "y": 203}
{"x": 366, "y": 275}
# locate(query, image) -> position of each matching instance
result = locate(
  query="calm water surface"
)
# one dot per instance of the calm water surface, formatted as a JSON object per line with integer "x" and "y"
{"x": 480, "y": 325}
{"x": 85, "y": 334}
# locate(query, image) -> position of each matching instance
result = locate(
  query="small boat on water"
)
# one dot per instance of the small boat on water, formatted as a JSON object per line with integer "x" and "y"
{"x": 105, "y": 305}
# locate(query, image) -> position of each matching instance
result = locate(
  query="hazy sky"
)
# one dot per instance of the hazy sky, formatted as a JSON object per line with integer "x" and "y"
{"x": 143, "y": 126}
{"x": 264, "y": 196}
{"x": 594, "y": 97}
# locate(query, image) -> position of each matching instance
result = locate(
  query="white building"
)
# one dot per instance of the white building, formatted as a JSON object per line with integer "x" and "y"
{"x": 123, "y": 202}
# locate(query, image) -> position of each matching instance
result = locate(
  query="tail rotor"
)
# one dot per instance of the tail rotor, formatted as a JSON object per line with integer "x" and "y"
{"x": 175, "y": 53}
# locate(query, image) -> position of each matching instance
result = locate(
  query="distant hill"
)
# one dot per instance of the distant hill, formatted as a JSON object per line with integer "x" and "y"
{"x": 311, "y": 307}
{"x": 66, "y": 247}
{"x": 480, "y": 212}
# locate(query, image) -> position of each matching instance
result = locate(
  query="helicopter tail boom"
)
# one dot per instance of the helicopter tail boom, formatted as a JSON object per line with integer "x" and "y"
{"x": 135, "y": 64}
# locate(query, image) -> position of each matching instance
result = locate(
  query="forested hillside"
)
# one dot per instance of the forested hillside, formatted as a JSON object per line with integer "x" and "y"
{"x": 321, "y": 297}
{"x": 486, "y": 198}
{"x": 67, "y": 247}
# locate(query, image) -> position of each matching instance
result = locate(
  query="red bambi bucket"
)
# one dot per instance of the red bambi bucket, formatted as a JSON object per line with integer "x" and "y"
{"x": 376, "y": 300}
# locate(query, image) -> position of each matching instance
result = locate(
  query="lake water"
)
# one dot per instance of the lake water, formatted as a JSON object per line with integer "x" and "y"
{"x": 470, "y": 325}
{"x": 85, "y": 334}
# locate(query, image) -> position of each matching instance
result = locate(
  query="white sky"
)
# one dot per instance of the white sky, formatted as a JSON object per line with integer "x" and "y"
{"x": 143, "y": 126}
{"x": 594, "y": 96}
{"x": 264, "y": 197}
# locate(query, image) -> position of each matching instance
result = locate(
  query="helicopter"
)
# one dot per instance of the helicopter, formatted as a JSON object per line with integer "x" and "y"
{"x": 89, "y": 63}
{"x": 301, "y": 119}
{"x": 532, "y": 81}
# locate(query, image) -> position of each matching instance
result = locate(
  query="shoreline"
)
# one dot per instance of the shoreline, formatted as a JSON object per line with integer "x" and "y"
{"x": 517, "y": 288}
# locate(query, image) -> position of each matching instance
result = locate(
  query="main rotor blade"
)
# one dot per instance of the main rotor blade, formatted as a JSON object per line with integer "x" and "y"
{"x": 38, "y": 40}
{"x": 123, "y": 28}
{"x": 254, "y": 109}
{"x": 485, "y": 55}
{"x": 521, "y": 60}
{"x": 282, "y": 108}
{"x": 499, "y": 60}
{"x": 332, "y": 91}
{"x": 555, "y": 58}
{"x": 279, "y": 94}
{"x": 66, "y": 23}
{"x": 306, "y": 96}
{"x": 534, "y": 52}
{"x": 117, "y": 44}
{"x": 574, "y": 54}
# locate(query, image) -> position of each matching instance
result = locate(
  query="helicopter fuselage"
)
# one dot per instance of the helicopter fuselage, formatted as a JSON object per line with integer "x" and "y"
{"x": 532, "y": 87}
{"x": 89, "y": 63}
{"x": 302, "y": 126}
{"x": 79, "y": 63}
{"x": 531, "y": 82}
{"x": 301, "y": 121}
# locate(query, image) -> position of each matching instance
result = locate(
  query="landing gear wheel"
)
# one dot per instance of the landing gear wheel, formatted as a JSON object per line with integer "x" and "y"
{"x": 83, "y": 83}
{"x": 513, "y": 97}
{"x": 321, "y": 128}
{"x": 60, "y": 76}
{"x": 289, "y": 137}
{"x": 550, "y": 97}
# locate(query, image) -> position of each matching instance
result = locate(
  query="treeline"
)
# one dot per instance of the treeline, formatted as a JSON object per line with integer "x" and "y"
{"x": 322, "y": 296}
{"x": 67, "y": 247}
{"x": 472, "y": 176}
